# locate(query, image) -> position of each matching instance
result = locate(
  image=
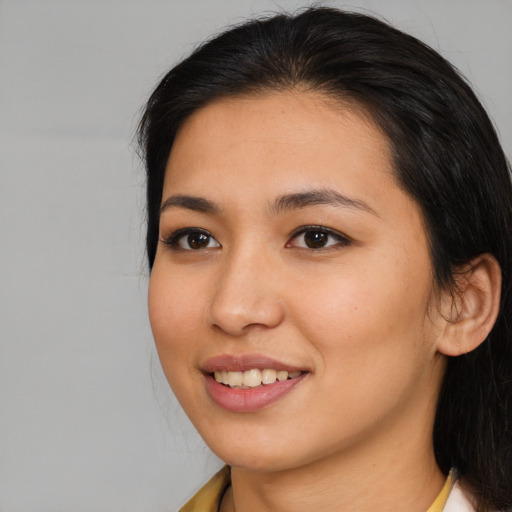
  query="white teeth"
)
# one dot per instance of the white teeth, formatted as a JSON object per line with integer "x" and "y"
{"x": 221, "y": 376}
{"x": 268, "y": 376}
{"x": 253, "y": 378}
{"x": 234, "y": 379}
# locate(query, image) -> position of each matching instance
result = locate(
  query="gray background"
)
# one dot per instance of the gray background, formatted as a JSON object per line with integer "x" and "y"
{"x": 86, "y": 420}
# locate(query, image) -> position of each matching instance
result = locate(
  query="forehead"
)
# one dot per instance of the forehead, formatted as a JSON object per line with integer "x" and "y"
{"x": 278, "y": 136}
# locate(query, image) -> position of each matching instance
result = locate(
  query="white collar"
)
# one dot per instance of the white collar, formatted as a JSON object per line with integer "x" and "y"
{"x": 458, "y": 501}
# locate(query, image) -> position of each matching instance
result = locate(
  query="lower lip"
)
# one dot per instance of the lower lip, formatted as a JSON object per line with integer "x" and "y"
{"x": 249, "y": 400}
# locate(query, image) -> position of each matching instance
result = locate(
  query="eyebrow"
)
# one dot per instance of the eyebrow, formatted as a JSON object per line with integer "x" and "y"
{"x": 327, "y": 197}
{"x": 282, "y": 204}
{"x": 197, "y": 204}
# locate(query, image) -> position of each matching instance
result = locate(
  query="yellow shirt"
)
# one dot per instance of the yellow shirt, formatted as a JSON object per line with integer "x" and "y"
{"x": 210, "y": 495}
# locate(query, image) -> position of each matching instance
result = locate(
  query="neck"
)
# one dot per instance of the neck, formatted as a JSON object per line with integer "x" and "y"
{"x": 400, "y": 476}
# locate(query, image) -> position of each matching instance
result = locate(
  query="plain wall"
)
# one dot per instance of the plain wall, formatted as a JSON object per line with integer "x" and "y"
{"x": 86, "y": 420}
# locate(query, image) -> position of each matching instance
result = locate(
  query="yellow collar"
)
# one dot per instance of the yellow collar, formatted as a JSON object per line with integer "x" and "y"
{"x": 442, "y": 497}
{"x": 210, "y": 495}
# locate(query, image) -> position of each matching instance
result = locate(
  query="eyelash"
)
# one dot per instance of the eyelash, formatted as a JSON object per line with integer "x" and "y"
{"x": 341, "y": 240}
{"x": 174, "y": 239}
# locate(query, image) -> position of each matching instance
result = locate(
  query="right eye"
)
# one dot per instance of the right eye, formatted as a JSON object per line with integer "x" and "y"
{"x": 190, "y": 239}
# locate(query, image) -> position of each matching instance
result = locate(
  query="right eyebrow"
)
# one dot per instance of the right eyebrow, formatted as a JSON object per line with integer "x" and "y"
{"x": 197, "y": 204}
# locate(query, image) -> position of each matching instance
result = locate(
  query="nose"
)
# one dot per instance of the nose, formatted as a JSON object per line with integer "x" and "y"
{"x": 246, "y": 296}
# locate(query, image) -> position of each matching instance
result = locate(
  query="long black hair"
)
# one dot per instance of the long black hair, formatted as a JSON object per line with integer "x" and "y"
{"x": 447, "y": 158}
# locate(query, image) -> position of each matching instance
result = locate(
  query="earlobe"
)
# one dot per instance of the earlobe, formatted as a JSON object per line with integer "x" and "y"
{"x": 474, "y": 306}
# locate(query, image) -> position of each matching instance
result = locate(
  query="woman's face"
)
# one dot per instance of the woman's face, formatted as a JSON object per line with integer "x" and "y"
{"x": 287, "y": 246}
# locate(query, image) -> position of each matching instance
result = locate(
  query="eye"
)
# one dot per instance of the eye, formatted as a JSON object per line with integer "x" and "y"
{"x": 190, "y": 239}
{"x": 317, "y": 237}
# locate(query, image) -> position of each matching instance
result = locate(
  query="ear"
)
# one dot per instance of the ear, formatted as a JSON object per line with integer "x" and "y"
{"x": 471, "y": 309}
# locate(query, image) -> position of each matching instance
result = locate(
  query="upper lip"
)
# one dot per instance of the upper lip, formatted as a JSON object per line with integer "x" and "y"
{"x": 244, "y": 362}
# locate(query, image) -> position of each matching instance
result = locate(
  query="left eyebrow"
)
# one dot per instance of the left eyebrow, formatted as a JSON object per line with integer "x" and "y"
{"x": 327, "y": 197}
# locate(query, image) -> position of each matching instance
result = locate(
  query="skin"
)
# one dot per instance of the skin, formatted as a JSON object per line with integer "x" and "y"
{"x": 361, "y": 316}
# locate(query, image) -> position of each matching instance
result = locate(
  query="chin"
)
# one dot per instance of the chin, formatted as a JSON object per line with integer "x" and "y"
{"x": 258, "y": 462}
{"x": 253, "y": 454}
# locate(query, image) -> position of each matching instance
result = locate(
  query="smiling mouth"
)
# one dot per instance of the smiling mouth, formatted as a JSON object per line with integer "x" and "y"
{"x": 253, "y": 378}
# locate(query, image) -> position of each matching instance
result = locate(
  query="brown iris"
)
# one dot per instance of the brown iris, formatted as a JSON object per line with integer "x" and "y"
{"x": 315, "y": 239}
{"x": 198, "y": 240}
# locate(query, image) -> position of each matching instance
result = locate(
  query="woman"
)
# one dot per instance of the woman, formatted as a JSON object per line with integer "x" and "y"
{"x": 329, "y": 215}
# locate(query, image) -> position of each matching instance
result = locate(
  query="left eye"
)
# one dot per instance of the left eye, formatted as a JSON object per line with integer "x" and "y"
{"x": 317, "y": 238}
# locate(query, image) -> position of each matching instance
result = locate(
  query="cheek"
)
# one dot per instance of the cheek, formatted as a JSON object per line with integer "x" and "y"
{"x": 372, "y": 316}
{"x": 370, "y": 339}
{"x": 174, "y": 312}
